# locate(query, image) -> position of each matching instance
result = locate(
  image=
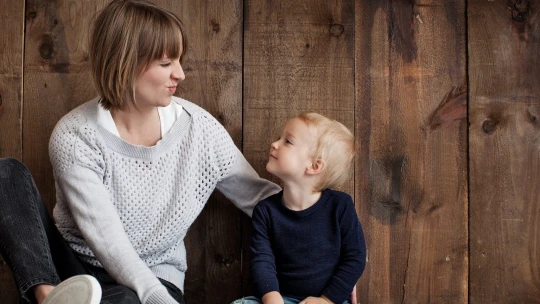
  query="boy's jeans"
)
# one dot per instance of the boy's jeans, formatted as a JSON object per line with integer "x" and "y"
{"x": 35, "y": 250}
{"x": 254, "y": 300}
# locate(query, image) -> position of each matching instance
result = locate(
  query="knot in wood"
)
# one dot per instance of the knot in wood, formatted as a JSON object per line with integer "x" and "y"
{"x": 227, "y": 262}
{"x": 31, "y": 15}
{"x": 215, "y": 26}
{"x": 489, "y": 126}
{"x": 532, "y": 118}
{"x": 46, "y": 49}
{"x": 221, "y": 118}
{"x": 519, "y": 9}
{"x": 336, "y": 29}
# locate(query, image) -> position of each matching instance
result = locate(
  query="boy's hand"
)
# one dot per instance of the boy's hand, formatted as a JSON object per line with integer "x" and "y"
{"x": 353, "y": 296}
{"x": 316, "y": 300}
{"x": 272, "y": 297}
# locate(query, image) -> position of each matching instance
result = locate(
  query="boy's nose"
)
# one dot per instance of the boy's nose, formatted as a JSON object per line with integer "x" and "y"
{"x": 274, "y": 145}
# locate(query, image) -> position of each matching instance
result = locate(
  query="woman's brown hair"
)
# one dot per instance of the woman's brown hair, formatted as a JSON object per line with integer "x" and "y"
{"x": 127, "y": 36}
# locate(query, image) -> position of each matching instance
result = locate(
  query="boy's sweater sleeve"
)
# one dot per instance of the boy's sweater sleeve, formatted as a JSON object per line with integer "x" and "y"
{"x": 80, "y": 183}
{"x": 352, "y": 259}
{"x": 263, "y": 264}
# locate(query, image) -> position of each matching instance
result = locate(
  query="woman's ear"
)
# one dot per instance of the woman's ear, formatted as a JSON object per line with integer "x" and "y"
{"x": 316, "y": 167}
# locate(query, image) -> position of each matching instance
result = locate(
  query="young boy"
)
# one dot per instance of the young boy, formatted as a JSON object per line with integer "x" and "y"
{"x": 308, "y": 245}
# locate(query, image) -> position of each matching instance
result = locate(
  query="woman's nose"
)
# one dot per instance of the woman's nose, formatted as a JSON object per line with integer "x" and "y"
{"x": 178, "y": 72}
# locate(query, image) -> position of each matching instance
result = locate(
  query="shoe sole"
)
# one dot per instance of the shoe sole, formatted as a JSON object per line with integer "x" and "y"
{"x": 65, "y": 292}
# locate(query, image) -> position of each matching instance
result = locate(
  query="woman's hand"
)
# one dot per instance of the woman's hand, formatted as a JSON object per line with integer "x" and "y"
{"x": 353, "y": 296}
{"x": 316, "y": 300}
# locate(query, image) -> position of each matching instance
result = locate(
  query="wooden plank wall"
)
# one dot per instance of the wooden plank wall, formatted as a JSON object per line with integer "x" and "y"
{"x": 504, "y": 105}
{"x": 450, "y": 209}
{"x": 11, "y": 96}
{"x": 411, "y": 182}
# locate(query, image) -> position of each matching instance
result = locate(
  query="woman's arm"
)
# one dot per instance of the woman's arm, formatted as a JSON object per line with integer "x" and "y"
{"x": 96, "y": 218}
{"x": 79, "y": 170}
{"x": 244, "y": 187}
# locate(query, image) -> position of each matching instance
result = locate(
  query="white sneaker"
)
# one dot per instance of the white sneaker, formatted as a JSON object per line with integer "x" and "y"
{"x": 81, "y": 289}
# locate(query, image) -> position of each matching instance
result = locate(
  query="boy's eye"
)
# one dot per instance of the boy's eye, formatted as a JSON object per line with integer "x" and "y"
{"x": 287, "y": 141}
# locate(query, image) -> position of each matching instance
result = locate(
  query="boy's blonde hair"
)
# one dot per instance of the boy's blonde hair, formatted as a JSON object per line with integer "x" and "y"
{"x": 127, "y": 36}
{"x": 335, "y": 147}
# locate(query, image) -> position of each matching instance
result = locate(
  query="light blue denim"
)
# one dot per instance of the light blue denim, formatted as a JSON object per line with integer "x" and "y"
{"x": 254, "y": 300}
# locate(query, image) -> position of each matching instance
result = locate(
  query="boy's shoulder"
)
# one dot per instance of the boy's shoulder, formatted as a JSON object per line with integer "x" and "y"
{"x": 341, "y": 202}
{"x": 270, "y": 201}
{"x": 339, "y": 196}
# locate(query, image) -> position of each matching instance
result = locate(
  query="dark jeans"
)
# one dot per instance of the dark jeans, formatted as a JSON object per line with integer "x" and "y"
{"x": 35, "y": 250}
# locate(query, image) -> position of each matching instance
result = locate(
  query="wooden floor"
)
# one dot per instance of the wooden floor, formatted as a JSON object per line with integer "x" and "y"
{"x": 443, "y": 98}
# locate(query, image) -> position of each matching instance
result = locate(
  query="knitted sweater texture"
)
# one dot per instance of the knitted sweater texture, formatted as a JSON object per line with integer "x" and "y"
{"x": 312, "y": 252}
{"x": 127, "y": 208}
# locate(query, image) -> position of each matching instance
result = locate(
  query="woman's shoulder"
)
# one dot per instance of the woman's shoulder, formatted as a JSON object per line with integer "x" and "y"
{"x": 198, "y": 114}
{"x": 80, "y": 116}
{"x": 189, "y": 106}
{"x": 73, "y": 133}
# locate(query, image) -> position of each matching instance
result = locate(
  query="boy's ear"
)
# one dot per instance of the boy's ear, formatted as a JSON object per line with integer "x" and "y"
{"x": 316, "y": 167}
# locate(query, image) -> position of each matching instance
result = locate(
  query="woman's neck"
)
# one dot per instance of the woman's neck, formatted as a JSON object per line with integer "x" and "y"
{"x": 299, "y": 197}
{"x": 138, "y": 126}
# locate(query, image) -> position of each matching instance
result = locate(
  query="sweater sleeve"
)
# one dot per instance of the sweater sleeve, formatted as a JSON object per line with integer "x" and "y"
{"x": 79, "y": 179}
{"x": 263, "y": 265}
{"x": 352, "y": 258}
{"x": 238, "y": 181}
{"x": 243, "y": 186}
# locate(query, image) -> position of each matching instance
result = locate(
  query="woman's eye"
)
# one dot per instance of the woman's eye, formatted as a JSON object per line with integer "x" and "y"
{"x": 166, "y": 64}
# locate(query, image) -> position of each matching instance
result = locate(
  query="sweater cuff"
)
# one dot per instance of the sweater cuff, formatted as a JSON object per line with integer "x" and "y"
{"x": 160, "y": 295}
{"x": 262, "y": 288}
{"x": 337, "y": 294}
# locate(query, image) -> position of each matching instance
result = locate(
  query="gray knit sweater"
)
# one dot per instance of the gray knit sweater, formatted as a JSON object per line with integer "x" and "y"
{"x": 127, "y": 208}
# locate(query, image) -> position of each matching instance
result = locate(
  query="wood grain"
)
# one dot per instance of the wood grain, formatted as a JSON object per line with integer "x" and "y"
{"x": 56, "y": 78}
{"x": 411, "y": 173}
{"x": 11, "y": 78}
{"x": 395, "y": 72}
{"x": 214, "y": 81}
{"x": 11, "y": 101}
{"x": 298, "y": 56}
{"x": 504, "y": 43}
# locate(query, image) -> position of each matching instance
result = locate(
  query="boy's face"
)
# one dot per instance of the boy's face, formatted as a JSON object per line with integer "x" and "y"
{"x": 291, "y": 154}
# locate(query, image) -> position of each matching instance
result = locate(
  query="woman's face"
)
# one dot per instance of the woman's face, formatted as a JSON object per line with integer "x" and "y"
{"x": 155, "y": 86}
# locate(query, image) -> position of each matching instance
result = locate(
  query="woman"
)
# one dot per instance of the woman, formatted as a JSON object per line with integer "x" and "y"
{"x": 133, "y": 169}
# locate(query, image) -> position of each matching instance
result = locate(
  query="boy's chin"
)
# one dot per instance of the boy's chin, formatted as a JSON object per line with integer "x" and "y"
{"x": 270, "y": 170}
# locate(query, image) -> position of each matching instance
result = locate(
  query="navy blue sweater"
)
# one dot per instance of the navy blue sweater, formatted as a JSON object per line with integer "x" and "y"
{"x": 313, "y": 252}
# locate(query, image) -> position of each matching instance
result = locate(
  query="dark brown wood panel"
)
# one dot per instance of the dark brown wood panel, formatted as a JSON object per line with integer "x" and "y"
{"x": 11, "y": 81}
{"x": 56, "y": 77}
{"x": 504, "y": 77}
{"x": 298, "y": 56}
{"x": 214, "y": 81}
{"x": 411, "y": 173}
{"x": 11, "y": 97}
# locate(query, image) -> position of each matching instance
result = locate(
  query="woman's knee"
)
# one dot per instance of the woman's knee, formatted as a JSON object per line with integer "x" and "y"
{"x": 11, "y": 168}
